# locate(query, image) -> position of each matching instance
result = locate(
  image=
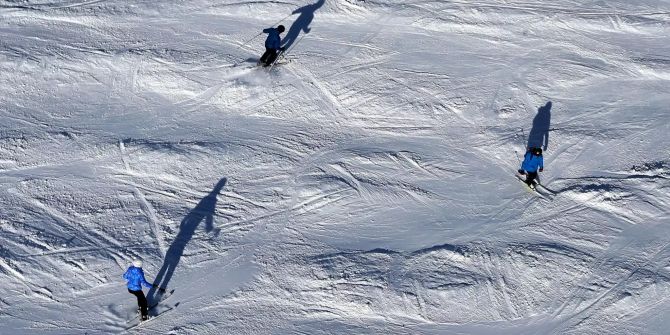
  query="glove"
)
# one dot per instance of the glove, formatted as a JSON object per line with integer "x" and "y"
{"x": 521, "y": 171}
{"x": 161, "y": 290}
{"x": 541, "y": 169}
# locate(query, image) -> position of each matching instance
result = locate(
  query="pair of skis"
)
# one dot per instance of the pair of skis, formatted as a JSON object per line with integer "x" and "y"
{"x": 538, "y": 189}
{"x": 281, "y": 59}
{"x": 155, "y": 310}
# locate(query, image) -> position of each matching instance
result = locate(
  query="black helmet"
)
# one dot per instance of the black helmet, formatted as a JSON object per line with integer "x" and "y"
{"x": 281, "y": 28}
{"x": 537, "y": 151}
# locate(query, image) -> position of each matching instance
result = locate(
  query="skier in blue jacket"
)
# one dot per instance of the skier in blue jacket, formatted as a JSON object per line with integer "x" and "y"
{"x": 135, "y": 277}
{"x": 272, "y": 45}
{"x": 532, "y": 163}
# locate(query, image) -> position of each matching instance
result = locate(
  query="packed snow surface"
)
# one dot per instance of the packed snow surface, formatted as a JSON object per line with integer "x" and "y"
{"x": 365, "y": 186}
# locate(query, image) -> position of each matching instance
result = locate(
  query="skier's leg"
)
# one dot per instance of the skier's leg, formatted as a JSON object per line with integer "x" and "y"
{"x": 143, "y": 304}
{"x": 136, "y": 296}
{"x": 271, "y": 58}
{"x": 141, "y": 301}
{"x": 530, "y": 179}
{"x": 265, "y": 56}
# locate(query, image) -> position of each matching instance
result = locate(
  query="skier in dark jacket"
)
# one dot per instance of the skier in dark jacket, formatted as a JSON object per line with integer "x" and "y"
{"x": 272, "y": 45}
{"x": 135, "y": 277}
{"x": 532, "y": 163}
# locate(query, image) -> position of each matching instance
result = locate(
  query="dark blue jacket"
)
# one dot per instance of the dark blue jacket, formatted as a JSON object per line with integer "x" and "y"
{"x": 135, "y": 278}
{"x": 531, "y": 163}
{"x": 273, "y": 41}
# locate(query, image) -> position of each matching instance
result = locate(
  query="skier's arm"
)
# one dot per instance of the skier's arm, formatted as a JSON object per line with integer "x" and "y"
{"x": 143, "y": 281}
{"x": 541, "y": 163}
{"x": 526, "y": 158}
{"x": 267, "y": 30}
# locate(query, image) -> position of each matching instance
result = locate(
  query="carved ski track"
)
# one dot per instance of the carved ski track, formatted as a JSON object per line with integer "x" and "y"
{"x": 331, "y": 102}
{"x": 368, "y": 179}
{"x": 181, "y": 194}
{"x": 596, "y": 301}
{"x": 146, "y": 207}
{"x": 92, "y": 238}
{"x": 526, "y": 7}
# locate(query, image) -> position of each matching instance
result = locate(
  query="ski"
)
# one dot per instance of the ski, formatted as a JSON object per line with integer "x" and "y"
{"x": 544, "y": 188}
{"x": 152, "y": 306}
{"x": 530, "y": 189}
{"x": 280, "y": 60}
{"x": 136, "y": 322}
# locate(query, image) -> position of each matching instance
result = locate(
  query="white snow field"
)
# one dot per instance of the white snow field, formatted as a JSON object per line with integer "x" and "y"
{"x": 365, "y": 187}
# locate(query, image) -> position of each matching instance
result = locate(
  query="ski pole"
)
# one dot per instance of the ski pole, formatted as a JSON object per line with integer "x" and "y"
{"x": 285, "y": 17}
{"x": 283, "y": 53}
{"x": 296, "y": 43}
{"x": 276, "y": 60}
{"x": 274, "y": 24}
{"x": 249, "y": 40}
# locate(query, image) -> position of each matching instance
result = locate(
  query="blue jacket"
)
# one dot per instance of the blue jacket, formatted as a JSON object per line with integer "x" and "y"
{"x": 273, "y": 41}
{"x": 135, "y": 278}
{"x": 531, "y": 163}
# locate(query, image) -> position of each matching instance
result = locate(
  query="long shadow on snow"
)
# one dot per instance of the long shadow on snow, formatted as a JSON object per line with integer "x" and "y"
{"x": 539, "y": 133}
{"x": 604, "y": 184}
{"x": 204, "y": 210}
{"x": 301, "y": 23}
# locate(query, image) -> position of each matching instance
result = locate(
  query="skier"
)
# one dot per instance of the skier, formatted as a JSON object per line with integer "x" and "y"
{"x": 135, "y": 277}
{"x": 272, "y": 45}
{"x": 532, "y": 163}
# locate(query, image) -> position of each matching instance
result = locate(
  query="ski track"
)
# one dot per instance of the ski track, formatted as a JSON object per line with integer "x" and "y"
{"x": 368, "y": 184}
{"x": 148, "y": 210}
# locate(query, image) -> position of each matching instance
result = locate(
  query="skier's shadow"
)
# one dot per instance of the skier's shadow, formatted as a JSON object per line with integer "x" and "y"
{"x": 301, "y": 23}
{"x": 539, "y": 133}
{"x": 204, "y": 210}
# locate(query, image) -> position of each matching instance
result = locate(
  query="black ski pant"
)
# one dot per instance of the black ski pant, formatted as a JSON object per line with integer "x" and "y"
{"x": 269, "y": 56}
{"x": 530, "y": 177}
{"x": 141, "y": 301}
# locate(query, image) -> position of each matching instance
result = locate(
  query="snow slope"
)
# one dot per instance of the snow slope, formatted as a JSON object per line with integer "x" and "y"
{"x": 366, "y": 187}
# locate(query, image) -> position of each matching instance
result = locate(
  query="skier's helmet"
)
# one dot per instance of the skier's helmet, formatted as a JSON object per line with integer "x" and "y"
{"x": 281, "y": 28}
{"x": 137, "y": 263}
{"x": 537, "y": 151}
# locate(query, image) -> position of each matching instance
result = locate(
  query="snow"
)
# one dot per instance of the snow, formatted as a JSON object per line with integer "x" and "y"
{"x": 365, "y": 187}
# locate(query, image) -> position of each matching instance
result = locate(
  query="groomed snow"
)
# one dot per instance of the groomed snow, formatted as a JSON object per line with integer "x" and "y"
{"x": 365, "y": 187}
